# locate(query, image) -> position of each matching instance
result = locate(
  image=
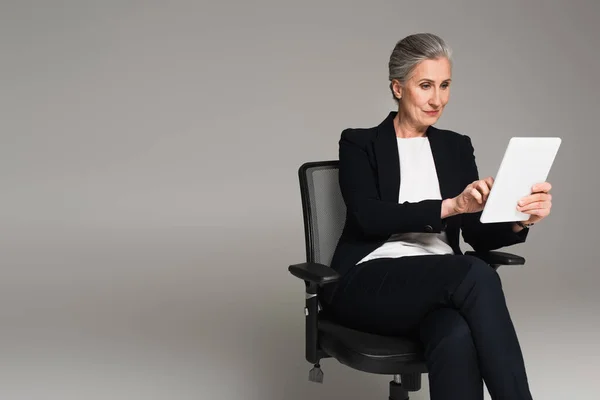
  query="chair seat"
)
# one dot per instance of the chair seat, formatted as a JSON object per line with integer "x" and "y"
{"x": 370, "y": 353}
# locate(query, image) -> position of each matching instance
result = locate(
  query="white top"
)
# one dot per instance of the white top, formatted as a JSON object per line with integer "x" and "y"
{"x": 418, "y": 181}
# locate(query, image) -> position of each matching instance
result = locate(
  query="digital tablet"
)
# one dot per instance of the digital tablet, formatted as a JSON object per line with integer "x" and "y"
{"x": 527, "y": 161}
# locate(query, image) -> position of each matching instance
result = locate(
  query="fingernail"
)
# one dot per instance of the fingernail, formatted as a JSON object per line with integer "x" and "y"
{"x": 520, "y": 202}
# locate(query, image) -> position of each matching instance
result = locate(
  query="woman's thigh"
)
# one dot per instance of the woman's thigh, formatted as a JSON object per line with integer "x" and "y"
{"x": 391, "y": 296}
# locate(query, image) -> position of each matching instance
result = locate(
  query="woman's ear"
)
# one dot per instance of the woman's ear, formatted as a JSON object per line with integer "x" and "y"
{"x": 397, "y": 89}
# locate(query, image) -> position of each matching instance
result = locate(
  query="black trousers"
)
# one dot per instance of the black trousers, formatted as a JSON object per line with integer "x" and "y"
{"x": 455, "y": 305}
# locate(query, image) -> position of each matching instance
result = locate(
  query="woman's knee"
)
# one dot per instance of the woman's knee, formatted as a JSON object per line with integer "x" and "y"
{"x": 482, "y": 272}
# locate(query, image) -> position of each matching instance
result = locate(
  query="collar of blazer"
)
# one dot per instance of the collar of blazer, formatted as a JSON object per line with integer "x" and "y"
{"x": 445, "y": 156}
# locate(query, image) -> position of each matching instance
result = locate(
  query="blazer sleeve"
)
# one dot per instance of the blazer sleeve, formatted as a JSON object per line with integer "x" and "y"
{"x": 373, "y": 216}
{"x": 484, "y": 237}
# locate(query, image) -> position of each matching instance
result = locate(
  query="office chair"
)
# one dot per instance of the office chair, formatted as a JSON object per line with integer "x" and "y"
{"x": 324, "y": 214}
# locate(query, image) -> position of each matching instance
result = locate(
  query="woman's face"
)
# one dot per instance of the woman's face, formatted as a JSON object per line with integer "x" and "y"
{"x": 426, "y": 92}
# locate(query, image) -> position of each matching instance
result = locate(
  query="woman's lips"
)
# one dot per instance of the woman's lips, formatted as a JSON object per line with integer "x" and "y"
{"x": 432, "y": 113}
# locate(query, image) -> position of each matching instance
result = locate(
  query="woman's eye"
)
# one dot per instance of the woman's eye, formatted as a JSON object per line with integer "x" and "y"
{"x": 426, "y": 86}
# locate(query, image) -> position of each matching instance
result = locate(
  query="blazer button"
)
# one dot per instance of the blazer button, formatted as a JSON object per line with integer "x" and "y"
{"x": 428, "y": 228}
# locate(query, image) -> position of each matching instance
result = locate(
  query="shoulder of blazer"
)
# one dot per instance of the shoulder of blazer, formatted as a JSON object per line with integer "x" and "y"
{"x": 359, "y": 136}
{"x": 450, "y": 135}
{"x": 455, "y": 140}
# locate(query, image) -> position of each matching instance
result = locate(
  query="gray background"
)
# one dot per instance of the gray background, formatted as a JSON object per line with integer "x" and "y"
{"x": 150, "y": 204}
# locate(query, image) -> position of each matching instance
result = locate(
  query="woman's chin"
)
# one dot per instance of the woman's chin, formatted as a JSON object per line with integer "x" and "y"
{"x": 431, "y": 120}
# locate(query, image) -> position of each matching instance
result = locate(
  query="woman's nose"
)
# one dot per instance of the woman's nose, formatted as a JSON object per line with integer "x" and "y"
{"x": 435, "y": 101}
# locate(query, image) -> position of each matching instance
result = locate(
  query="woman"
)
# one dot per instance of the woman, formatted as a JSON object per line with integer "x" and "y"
{"x": 409, "y": 188}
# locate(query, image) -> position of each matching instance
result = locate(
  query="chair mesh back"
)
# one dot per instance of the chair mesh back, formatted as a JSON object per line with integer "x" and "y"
{"x": 324, "y": 209}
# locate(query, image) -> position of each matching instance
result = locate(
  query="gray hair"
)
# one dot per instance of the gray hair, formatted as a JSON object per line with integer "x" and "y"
{"x": 413, "y": 49}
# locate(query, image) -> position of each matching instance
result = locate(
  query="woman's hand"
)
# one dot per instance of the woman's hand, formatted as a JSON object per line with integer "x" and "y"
{"x": 474, "y": 197}
{"x": 537, "y": 204}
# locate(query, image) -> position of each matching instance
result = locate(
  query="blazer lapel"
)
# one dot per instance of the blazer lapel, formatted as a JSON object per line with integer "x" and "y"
{"x": 388, "y": 162}
{"x": 445, "y": 164}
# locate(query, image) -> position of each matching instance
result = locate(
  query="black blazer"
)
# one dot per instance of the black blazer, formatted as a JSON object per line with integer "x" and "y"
{"x": 369, "y": 177}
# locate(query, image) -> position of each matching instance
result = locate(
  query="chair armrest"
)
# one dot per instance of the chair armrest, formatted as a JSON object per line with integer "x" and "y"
{"x": 497, "y": 257}
{"x": 314, "y": 273}
{"x": 314, "y": 276}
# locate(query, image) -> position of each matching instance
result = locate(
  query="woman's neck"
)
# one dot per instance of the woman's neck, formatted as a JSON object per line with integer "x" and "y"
{"x": 404, "y": 129}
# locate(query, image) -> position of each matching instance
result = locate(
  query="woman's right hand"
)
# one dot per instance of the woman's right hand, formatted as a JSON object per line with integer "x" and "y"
{"x": 474, "y": 197}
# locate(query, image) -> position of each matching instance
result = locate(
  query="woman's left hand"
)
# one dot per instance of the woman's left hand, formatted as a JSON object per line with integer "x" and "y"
{"x": 537, "y": 204}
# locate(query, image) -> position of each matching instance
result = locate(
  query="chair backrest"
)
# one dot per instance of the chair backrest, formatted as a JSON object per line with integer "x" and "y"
{"x": 323, "y": 209}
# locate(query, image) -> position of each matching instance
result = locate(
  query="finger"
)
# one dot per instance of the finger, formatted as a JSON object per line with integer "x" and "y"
{"x": 535, "y": 197}
{"x": 535, "y": 205}
{"x": 541, "y": 187}
{"x": 476, "y": 195}
{"x": 483, "y": 191}
{"x": 542, "y": 212}
{"x": 483, "y": 188}
{"x": 490, "y": 181}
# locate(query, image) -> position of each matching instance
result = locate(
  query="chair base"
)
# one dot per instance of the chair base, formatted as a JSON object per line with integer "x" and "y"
{"x": 397, "y": 392}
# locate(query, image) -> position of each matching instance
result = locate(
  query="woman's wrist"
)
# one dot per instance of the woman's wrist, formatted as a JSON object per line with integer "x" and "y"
{"x": 448, "y": 208}
{"x": 524, "y": 224}
{"x": 518, "y": 226}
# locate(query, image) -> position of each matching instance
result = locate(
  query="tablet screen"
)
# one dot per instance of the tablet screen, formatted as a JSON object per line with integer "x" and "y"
{"x": 527, "y": 161}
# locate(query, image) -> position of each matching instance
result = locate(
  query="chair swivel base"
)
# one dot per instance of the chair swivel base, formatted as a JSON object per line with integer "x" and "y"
{"x": 397, "y": 392}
